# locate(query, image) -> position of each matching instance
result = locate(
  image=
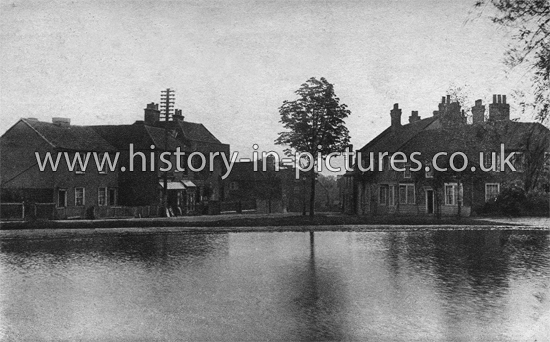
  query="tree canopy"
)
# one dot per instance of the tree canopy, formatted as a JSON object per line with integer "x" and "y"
{"x": 529, "y": 21}
{"x": 314, "y": 123}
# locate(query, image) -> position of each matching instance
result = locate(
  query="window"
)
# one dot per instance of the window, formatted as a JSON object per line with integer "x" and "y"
{"x": 452, "y": 194}
{"x": 410, "y": 194}
{"x": 407, "y": 194}
{"x": 112, "y": 197}
{"x": 430, "y": 171}
{"x": 407, "y": 172}
{"x": 102, "y": 196}
{"x": 391, "y": 195}
{"x": 79, "y": 196}
{"x": 62, "y": 198}
{"x": 491, "y": 191}
{"x": 383, "y": 195}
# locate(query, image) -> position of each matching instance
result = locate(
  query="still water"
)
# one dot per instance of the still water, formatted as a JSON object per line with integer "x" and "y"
{"x": 361, "y": 286}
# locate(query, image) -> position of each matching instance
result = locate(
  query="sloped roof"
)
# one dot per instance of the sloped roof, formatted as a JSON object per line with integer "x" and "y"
{"x": 515, "y": 134}
{"x": 391, "y": 140}
{"x": 466, "y": 138}
{"x": 76, "y": 138}
{"x": 245, "y": 171}
{"x": 197, "y": 132}
{"x": 141, "y": 136}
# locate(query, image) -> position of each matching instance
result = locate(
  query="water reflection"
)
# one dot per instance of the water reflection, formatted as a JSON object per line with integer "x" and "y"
{"x": 315, "y": 298}
{"x": 384, "y": 286}
{"x": 473, "y": 271}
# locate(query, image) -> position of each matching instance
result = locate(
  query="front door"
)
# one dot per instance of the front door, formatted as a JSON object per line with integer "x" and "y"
{"x": 430, "y": 201}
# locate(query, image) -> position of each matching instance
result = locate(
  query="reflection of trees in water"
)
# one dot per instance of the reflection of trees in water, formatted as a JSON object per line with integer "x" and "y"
{"x": 315, "y": 297}
{"x": 147, "y": 249}
{"x": 470, "y": 265}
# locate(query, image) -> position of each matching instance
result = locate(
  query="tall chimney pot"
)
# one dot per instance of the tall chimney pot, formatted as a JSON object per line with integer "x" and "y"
{"x": 395, "y": 115}
{"x": 152, "y": 113}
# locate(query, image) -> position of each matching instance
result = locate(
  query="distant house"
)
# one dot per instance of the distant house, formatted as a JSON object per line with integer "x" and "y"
{"x": 71, "y": 193}
{"x": 367, "y": 190}
{"x": 249, "y": 189}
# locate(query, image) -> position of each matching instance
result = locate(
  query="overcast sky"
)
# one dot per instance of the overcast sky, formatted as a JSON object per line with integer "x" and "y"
{"x": 232, "y": 63}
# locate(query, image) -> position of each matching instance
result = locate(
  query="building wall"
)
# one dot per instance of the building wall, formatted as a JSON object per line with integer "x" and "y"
{"x": 21, "y": 174}
{"x": 18, "y": 166}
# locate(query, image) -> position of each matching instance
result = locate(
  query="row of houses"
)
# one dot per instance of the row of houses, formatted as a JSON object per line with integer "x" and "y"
{"x": 426, "y": 191}
{"x": 75, "y": 192}
{"x": 372, "y": 187}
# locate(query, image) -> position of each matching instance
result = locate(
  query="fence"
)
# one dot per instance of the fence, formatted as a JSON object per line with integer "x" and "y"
{"x": 31, "y": 211}
{"x": 22, "y": 211}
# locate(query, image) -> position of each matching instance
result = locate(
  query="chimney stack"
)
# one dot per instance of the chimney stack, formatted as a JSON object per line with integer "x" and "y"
{"x": 499, "y": 110}
{"x": 395, "y": 115}
{"x": 178, "y": 116}
{"x": 478, "y": 112}
{"x": 414, "y": 117}
{"x": 152, "y": 114}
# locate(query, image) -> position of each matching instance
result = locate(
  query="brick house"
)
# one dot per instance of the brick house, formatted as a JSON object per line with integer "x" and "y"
{"x": 418, "y": 189}
{"x": 74, "y": 193}
{"x": 92, "y": 192}
{"x": 188, "y": 192}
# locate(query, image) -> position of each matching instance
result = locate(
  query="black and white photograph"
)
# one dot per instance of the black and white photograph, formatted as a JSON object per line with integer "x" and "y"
{"x": 275, "y": 170}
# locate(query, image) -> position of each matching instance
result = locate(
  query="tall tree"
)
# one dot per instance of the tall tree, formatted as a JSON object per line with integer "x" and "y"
{"x": 529, "y": 21}
{"x": 314, "y": 124}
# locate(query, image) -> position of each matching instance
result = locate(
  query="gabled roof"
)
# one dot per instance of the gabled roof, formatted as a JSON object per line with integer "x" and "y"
{"x": 75, "y": 138}
{"x": 391, "y": 140}
{"x": 516, "y": 134}
{"x": 191, "y": 131}
{"x": 140, "y": 135}
{"x": 197, "y": 132}
{"x": 418, "y": 137}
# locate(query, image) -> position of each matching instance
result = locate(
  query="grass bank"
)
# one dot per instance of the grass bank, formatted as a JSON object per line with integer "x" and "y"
{"x": 274, "y": 220}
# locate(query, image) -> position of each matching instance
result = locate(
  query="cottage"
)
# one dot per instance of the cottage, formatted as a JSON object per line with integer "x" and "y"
{"x": 396, "y": 173}
{"x": 136, "y": 181}
{"x": 67, "y": 191}
{"x": 188, "y": 192}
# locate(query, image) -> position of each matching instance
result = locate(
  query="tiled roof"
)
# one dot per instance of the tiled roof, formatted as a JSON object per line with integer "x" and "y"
{"x": 75, "y": 138}
{"x": 391, "y": 140}
{"x": 467, "y": 138}
{"x": 515, "y": 135}
{"x": 245, "y": 171}
{"x": 140, "y": 135}
{"x": 197, "y": 132}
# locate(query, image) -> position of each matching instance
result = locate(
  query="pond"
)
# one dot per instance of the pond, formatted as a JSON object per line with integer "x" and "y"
{"x": 380, "y": 286}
